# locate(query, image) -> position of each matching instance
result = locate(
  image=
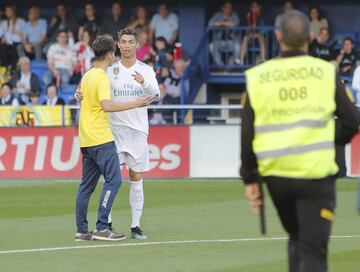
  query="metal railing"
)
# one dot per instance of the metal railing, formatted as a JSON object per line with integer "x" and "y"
{"x": 240, "y": 47}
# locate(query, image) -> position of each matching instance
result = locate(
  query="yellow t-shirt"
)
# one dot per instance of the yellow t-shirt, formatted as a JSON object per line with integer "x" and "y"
{"x": 94, "y": 124}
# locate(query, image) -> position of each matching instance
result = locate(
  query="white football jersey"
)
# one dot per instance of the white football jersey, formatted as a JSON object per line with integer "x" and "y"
{"x": 125, "y": 89}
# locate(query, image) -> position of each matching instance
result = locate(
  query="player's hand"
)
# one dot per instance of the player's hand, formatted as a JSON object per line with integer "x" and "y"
{"x": 79, "y": 95}
{"x": 145, "y": 100}
{"x": 138, "y": 77}
{"x": 252, "y": 193}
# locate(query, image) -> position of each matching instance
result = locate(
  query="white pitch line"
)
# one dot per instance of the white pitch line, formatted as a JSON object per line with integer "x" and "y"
{"x": 157, "y": 243}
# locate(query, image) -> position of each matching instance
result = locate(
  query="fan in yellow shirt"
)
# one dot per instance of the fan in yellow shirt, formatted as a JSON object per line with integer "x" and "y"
{"x": 97, "y": 143}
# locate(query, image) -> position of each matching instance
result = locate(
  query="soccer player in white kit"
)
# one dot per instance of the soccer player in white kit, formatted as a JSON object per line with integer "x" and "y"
{"x": 129, "y": 79}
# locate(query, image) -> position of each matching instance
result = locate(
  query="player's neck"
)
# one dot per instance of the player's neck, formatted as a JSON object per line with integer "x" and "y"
{"x": 103, "y": 64}
{"x": 128, "y": 62}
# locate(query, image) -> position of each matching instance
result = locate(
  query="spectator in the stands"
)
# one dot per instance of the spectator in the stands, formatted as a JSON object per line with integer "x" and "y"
{"x": 34, "y": 35}
{"x": 320, "y": 48}
{"x": 164, "y": 24}
{"x": 83, "y": 54}
{"x": 2, "y": 15}
{"x": 224, "y": 36}
{"x": 356, "y": 84}
{"x": 34, "y": 99}
{"x": 10, "y": 41}
{"x": 90, "y": 22}
{"x": 25, "y": 81}
{"x": 62, "y": 20}
{"x": 52, "y": 98}
{"x": 61, "y": 61}
{"x": 317, "y": 21}
{"x": 255, "y": 22}
{"x": 163, "y": 57}
{"x": 7, "y": 97}
{"x": 141, "y": 19}
{"x": 348, "y": 58}
{"x": 172, "y": 88}
{"x": 286, "y": 7}
{"x": 144, "y": 50}
{"x": 112, "y": 24}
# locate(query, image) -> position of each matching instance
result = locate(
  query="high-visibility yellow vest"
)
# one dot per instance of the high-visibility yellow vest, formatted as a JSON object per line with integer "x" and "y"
{"x": 294, "y": 103}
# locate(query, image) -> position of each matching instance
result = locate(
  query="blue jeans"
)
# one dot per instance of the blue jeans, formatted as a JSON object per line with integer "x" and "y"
{"x": 98, "y": 160}
{"x": 50, "y": 78}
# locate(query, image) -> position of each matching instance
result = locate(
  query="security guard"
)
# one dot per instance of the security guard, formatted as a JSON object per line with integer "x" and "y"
{"x": 288, "y": 139}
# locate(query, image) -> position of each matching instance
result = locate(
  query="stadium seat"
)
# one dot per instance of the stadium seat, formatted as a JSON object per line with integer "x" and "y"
{"x": 39, "y": 67}
{"x": 68, "y": 89}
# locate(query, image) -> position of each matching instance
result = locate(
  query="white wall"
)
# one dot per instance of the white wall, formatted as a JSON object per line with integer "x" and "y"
{"x": 214, "y": 151}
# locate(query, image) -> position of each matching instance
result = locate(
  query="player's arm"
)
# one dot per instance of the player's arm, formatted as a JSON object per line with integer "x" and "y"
{"x": 110, "y": 106}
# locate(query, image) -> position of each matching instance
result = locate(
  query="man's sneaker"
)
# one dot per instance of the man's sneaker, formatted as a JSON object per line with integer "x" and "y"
{"x": 83, "y": 237}
{"x": 138, "y": 234}
{"x": 107, "y": 235}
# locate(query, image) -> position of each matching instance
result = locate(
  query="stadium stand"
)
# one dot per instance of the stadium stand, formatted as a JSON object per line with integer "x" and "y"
{"x": 196, "y": 38}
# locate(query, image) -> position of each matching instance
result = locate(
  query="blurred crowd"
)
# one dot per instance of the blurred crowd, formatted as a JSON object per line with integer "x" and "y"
{"x": 343, "y": 53}
{"x": 62, "y": 46}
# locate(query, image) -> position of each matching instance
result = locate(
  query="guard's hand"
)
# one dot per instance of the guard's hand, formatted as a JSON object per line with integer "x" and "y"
{"x": 145, "y": 100}
{"x": 138, "y": 77}
{"x": 79, "y": 95}
{"x": 252, "y": 194}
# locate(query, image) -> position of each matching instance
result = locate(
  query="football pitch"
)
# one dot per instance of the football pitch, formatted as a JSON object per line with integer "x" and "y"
{"x": 193, "y": 225}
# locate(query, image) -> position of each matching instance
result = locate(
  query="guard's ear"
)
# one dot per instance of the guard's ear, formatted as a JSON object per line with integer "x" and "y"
{"x": 279, "y": 36}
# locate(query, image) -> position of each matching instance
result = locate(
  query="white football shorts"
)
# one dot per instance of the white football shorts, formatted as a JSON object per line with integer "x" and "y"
{"x": 132, "y": 148}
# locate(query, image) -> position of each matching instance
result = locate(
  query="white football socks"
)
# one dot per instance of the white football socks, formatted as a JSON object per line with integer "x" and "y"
{"x": 136, "y": 199}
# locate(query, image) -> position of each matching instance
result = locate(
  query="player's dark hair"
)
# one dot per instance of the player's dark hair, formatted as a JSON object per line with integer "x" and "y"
{"x": 103, "y": 45}
{"x": 127, "y": 31}
{"x": 295, "y": 27}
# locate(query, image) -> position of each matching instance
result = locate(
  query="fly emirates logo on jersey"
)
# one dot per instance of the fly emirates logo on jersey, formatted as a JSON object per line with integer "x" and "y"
{"x": 55, "y": 152}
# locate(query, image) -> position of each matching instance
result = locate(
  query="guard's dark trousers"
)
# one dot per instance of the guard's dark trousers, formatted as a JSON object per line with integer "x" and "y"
{"x": 305, "y": 208}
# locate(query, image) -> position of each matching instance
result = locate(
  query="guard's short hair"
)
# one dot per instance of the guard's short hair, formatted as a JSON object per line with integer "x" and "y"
{"x": 103, "y": 45}
{"x": 127, "y": 31}
{"x": 295, "y": 27}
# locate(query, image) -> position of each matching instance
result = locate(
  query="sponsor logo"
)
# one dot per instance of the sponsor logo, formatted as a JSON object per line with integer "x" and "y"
{"x": 25, "y": 117}
{"x": 106, "y": 199}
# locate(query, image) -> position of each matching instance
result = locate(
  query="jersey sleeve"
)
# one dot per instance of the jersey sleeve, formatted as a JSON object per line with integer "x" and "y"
{"x": 151, "y": 85}
{"x": 103, "y": 88}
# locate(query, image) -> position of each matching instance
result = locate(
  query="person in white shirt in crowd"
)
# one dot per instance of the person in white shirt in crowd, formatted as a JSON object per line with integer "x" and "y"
{"x": 6, "y": 97}
{"x": 129, "y": 79}
{"x": 11, "y": 38}
{"x": 171, "y": 93}
{"x": 34, "y": 35}
{"x": 52, "y": 98}
{"x": 356, "y": 85}
{"x": 61, "y": 61}
{"x": 83, "y": 54}
{"x": 317, "y": 21}
{"x": 25, "y": 81}
{"x": 164, "y": 24}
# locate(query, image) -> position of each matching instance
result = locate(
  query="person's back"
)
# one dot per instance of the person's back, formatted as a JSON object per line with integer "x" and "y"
{"x": 94, "y": 125}
{"x": 309, "y": 102}
{"x": 288, "y": 141}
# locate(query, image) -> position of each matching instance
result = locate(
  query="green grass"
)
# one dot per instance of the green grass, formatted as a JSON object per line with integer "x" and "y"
{"x": 40, "y": 214}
